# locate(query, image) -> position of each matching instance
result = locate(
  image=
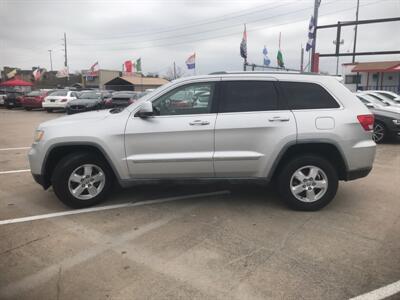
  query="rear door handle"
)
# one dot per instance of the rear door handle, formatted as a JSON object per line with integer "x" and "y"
{"x": 199, "y": 123}
{"x": 279, "y": 119}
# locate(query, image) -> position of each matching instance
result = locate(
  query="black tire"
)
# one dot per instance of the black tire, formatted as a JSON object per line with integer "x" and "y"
{"x": 27, "y": 108}
{"x": 379, "y": 134}
{"x": 64, "y": 169}
{"x": 49, "y": 110}
{"x": 285, "y": 181}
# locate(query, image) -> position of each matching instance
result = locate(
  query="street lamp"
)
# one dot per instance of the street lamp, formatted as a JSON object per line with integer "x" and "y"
{"x": 337, "y": 59}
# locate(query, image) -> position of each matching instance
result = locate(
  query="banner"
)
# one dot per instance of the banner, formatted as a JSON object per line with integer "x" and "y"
{"x": 62, "y": 73}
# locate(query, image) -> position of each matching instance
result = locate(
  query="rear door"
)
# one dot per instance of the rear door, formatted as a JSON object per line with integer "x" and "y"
{"x": 252, "y": 126}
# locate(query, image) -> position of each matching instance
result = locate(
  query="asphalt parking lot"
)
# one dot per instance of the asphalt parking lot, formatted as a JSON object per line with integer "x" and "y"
{"x": 241, "y": 243}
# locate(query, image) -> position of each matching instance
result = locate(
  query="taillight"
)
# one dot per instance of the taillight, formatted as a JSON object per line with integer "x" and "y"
{"x": 366, "y": 121}
{"x": 64, "y": 100}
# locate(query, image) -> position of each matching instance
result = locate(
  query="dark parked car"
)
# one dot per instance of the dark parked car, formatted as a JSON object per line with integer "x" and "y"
{"x": 124, "y": 98}
{"x": 13, "y": 99}
{"x": 387, "y": 119}
{"x": 88, "y": 100}
{"x": 34, "y": 99}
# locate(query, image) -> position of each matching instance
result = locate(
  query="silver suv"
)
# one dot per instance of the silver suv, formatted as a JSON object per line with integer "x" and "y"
{"x": 305, "y": 132}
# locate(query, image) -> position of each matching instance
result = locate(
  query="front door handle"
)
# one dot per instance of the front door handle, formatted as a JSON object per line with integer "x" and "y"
{"x": 199, "y": 123}
{"x": 279, "y": 119}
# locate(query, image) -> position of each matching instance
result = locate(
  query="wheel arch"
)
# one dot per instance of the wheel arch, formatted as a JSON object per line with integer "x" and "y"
{"x": 58, "y": 151}
{"x": 325, "y": 149}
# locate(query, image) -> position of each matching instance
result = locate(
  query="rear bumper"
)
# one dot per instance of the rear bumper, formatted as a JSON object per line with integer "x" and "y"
{"x": 356, "y": 174}
{"x": 60, "y": 105}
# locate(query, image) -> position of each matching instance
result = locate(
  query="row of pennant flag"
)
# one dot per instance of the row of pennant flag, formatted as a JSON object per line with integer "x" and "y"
{"x": 279, "y": 57}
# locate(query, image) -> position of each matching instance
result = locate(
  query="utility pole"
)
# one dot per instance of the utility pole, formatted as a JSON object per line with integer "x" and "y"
{"x": 174, "y": 71}
{"x": 317, "y": 3}
{"x": 51, "y": 61}
{"x": 302, "y": 59}
{"x": 355, "y": 33}
{"x": 65, "y": 50}
{"x": 341, "y": 42}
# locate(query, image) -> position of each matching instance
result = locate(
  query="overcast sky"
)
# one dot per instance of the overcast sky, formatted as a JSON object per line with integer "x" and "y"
{"x": 161, "y": 32}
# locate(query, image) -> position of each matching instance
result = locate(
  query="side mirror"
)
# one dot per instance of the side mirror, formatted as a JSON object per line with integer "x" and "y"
{"x": 146, "y": 110}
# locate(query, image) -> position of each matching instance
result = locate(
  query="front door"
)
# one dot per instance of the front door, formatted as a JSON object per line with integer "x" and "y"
{"x": 179, "y": 140}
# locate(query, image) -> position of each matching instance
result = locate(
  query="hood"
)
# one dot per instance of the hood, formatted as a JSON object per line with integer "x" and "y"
{"x": 86, "y": 102}
{"x": 388, "y": 111}
{"x": 92, "y": 116}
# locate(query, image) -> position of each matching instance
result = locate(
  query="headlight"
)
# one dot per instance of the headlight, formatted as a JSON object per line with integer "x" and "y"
{"x": 396, "y": 122}
{"x": 38, "y": 136}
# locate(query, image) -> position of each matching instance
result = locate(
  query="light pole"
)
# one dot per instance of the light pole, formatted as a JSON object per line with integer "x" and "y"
{"x": 337, "y": 58}
{"x": 51, "y": 61}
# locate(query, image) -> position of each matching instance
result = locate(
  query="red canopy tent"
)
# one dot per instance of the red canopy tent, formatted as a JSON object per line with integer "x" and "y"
{"x": 16, "y": 82}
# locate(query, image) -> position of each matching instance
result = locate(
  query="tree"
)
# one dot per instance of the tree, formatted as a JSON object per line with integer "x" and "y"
{"x": 171, "y": 75}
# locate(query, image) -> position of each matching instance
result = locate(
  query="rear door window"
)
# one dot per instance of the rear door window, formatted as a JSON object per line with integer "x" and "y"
{"x": 306, "y": 95}
{"x": 243, "y": 96}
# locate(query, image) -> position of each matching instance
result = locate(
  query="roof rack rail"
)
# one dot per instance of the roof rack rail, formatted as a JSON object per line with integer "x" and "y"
{"x": 264, "y": 72}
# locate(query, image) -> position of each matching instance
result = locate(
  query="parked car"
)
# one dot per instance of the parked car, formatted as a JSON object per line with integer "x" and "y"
{"x": 58, "y": 99}
{"x": 387, "y": 118}
{"x": 383, "y": 98}
{"x": 123, "y": 98}
{"x": 3, "y": 95}
{"x": 305, "y": 132}
{"x": 33, "y": 99}
{"x": 13, "y": 99}
{"x": 88, "y": 100}
{"x": 388, "y": 94}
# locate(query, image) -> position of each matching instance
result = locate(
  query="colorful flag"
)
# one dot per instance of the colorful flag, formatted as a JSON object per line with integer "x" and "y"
{"x": 94, "y": 69}
{"x": 243, "y": 44}
{"x": 279, "y": 58}
{"x": 11, "y": 73}
{"x": 37, "y": 74}
{"x": 139, "y": 65}
{"x": 191, "y": 61}
{"x": 128, "y": 66}
{"x": 62, "y": 73}
{"x": 267, "y": 61}
{"x": 311, "y": 31}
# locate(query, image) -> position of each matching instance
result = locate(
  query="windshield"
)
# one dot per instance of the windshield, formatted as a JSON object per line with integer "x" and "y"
{"x": 34, "y": 94}
{"x": 59, "y": 93}
{"x": 89, "y": 95}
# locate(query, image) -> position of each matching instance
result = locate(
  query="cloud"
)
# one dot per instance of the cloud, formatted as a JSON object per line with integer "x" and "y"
{"x": 162, "y": 32}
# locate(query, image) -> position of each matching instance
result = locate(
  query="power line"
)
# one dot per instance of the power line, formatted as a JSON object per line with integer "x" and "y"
{"x": 229, "y": 34}
{"x": 219, "y": 19}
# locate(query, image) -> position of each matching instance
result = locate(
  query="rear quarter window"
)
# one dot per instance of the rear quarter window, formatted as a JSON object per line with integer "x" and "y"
{"x": 306, "y": 95}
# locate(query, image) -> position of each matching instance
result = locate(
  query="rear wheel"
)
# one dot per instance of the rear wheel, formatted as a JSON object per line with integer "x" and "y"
{"x": 27, "y": 108}
{"x": 308, "y": 183}
{"x": 379, "y": 133}
{"x": 82, "y": 179}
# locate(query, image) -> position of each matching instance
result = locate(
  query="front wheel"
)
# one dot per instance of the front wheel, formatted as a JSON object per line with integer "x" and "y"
{"x": 82, "y": 179}
{"x": 308, "y": 183}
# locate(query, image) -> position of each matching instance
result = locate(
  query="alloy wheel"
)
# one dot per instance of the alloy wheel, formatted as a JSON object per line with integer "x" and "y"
{"x": 309, "y": 183}
{"x": 379, "y": 133}
{"x": 86, "y": 181}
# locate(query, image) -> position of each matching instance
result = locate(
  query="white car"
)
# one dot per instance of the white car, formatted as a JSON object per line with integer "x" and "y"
{"x": 304, "y": 132}
{"x": 388, "y": 94}
{"x": 384, "y": 98}
{"x": 58, "y": 100}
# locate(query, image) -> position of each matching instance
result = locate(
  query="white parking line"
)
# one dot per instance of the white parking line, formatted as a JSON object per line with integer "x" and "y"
{"x": 381, "y": 293}
{"x": 17, "y": 148}
{"x": 15, "y": 171}
{"x": 101, "y": 208}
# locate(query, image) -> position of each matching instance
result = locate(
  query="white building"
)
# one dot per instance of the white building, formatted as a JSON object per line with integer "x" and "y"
{"x": 379, "y": 75}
